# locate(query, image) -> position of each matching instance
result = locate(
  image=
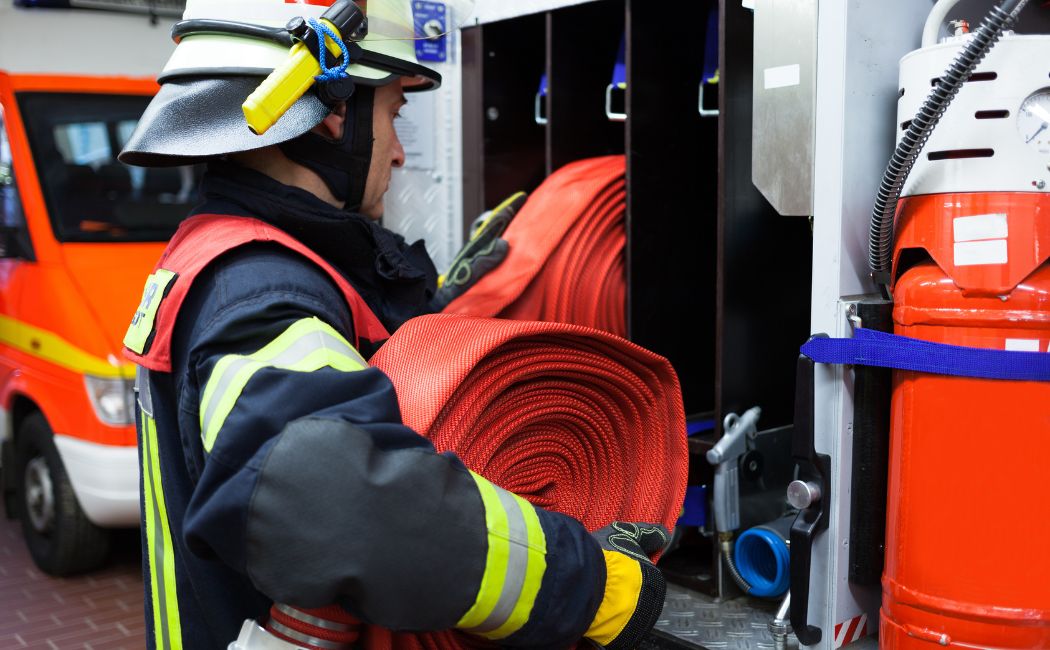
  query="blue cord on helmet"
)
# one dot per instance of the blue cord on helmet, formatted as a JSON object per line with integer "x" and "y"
{"x": 336, "y": 72}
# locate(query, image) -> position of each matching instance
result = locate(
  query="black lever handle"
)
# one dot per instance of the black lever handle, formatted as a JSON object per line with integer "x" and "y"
{"x": 813, "y": 519}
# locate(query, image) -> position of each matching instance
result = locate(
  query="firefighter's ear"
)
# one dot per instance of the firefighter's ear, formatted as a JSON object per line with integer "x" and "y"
{"x": 332, "y": 126}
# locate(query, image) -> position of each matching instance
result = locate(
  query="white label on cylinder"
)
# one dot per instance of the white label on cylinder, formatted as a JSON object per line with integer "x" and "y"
{"x": 973, "y": 253}
{"x": 1022, "y": 345}
{"x": 783, "y": 76}
{"x": 981, "y": 226}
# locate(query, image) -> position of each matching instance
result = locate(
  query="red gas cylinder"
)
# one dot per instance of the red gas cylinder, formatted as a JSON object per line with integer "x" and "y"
{"x": 968, "y": 513}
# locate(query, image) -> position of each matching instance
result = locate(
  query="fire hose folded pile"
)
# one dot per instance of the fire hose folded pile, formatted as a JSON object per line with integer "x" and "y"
{"x": 566, "y": 258}
{"x": 571, "y": 418}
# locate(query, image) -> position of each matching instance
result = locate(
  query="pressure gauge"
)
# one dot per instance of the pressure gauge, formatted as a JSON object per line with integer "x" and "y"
{"x": 1033, "y": 121}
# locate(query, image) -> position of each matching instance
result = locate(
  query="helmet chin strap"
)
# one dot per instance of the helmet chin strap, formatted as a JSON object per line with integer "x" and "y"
{"x": 341, "y": 163}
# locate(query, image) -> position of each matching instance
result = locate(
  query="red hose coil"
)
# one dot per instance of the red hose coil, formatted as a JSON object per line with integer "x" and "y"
{"x": 561, "y": 412}
{"x": 566, "y": 258}
{"x": 567, "y": 417}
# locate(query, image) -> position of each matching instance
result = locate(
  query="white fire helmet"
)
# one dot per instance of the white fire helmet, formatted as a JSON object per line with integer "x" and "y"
{"x": 226, "y": 48}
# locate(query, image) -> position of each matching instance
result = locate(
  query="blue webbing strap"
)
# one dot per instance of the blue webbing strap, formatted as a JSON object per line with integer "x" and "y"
{"x": 619, "y": 75}
{"x": 873, "y": 348}
{"x": 711, "y": 48}
{"x": 337, "y": 71}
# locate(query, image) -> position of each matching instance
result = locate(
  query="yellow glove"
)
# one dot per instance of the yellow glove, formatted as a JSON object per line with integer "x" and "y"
{"x": 634, "y": 588}
{"x": 483, "y": 252}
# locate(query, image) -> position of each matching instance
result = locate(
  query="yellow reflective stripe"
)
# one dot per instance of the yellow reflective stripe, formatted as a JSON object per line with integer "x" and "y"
{"x": 623, "y": 587}
{"x": 142, "y": 324}
{"x": 53, "y": 348}
{"x": 166, "y": 621}
{"x": 151, "y": 531}
{"x": 534, "y": 570}
{"x": 495, "y": 558}
{"x": 514, "y": 565}
{"x": 306, "y": 346}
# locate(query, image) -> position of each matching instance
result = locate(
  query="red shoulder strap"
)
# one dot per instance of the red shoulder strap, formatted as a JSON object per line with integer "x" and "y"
{"x": 198, "y": 241}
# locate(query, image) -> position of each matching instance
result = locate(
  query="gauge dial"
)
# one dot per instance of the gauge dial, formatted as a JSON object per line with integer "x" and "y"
{"x": 1033, "y": 121}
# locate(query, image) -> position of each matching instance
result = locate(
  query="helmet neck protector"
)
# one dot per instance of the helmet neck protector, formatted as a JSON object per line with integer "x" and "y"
{"x": 342, "y": 163}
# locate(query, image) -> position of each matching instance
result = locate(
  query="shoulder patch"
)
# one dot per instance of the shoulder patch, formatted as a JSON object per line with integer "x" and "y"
{"x": 145, "y": 320}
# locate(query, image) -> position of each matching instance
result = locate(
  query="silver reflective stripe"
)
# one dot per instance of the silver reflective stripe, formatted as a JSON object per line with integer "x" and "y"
{"x": 284, "y": 630}
{"x": 158, "y": 537}
{"x": 517, "y": 563}
{"x": 143, "y": 389}
{"x": 300, "y": 615}
{"x": 308, "y": 344}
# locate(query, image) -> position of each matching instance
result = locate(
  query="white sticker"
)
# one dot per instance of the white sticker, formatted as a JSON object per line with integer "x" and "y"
{"x": 974, "y": 253}
{"x": 416, "y": 133}
{"x": 981, "y": 226}
{"x": 1022, "y": 345}
{"x": 783, "y": 76}
{"x": 748, "y": 4}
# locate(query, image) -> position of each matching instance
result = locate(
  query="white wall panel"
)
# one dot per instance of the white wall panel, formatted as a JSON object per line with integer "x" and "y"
{"x": 82, "y": 41}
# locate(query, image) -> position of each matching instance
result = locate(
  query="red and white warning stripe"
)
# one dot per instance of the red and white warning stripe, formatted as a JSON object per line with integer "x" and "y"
{"x": 852, "y": 630}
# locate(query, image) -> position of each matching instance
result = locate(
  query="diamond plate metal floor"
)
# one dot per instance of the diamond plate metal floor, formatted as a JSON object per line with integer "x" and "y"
{"x": 692, "y": 620}
{"x": 695, "y": 620}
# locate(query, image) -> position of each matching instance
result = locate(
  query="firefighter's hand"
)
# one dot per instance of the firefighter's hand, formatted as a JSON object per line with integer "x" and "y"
{"x": 484, "y": 252}
{"x": 634, "y": 588}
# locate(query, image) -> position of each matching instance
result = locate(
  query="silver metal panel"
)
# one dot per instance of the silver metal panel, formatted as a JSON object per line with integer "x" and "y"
{"x": 859, "y": 45}
{"x": 425, "y": 200}
{"x": 739, "y": 624}
{"x": 1016, "y": 166}
{"x": 783, "y": 103}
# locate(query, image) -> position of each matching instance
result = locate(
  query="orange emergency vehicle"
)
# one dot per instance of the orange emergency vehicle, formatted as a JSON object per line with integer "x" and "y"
{"x": 79, "y": 232}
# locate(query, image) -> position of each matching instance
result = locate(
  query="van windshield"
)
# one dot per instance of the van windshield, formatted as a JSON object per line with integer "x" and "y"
{"x": 90, "y": 195}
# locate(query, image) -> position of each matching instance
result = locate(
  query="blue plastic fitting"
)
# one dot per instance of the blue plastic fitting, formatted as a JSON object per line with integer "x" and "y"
{"x": 762, "y": 558}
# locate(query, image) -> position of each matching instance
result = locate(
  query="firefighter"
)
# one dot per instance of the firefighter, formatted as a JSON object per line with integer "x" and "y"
{"x": 275, "y": 467}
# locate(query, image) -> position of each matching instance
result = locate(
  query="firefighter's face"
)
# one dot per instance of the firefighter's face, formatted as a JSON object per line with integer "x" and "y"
{"x": 387, "y": 152}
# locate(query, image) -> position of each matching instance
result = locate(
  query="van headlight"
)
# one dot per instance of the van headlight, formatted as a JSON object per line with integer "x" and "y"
{"x": 112, "y": 399}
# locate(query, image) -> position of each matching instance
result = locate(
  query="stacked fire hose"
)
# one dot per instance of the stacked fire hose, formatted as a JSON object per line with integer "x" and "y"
{"x": 566, "y": 258}
{"x": 527, "y": 379}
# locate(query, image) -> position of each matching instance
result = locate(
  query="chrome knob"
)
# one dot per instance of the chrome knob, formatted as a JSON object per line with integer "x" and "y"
{"x": 801, "y": 494}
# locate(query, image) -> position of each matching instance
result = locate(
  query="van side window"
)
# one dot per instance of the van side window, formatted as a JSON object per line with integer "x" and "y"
{"x": 14, "y": 237}
{"x": 90, "y": 195}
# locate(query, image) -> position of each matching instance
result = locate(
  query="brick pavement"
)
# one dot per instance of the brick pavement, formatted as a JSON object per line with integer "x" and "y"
{"x": 102, "y": 610}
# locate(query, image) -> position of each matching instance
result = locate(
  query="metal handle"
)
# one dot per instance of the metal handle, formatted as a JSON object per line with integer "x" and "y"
{"x": 706, "y": 112}
{"x": 613, "y": 117}
{"x": 813, "y": 519}
{"x": 538, "y": 110}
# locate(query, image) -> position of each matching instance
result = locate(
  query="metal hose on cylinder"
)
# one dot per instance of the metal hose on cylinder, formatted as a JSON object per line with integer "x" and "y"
{"x": 922, "y": 125}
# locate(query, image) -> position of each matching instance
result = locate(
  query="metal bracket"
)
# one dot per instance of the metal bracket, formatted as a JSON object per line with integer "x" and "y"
{"x": 613, "y": 117}
{"x": 814, "y": 519}
{"x": 706, "y": 112}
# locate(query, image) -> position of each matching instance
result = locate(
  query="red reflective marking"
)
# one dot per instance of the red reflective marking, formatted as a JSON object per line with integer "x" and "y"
{"x": 852, "y": 629}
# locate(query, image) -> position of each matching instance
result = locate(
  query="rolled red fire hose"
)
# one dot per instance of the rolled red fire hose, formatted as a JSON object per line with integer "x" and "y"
{"x": 566, "y": 257}
{"x": 561, "y": 412}
{"x": 571, "y": 418}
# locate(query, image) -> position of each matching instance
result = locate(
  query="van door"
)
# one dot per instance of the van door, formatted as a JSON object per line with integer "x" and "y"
{"x": 15, "y": 249}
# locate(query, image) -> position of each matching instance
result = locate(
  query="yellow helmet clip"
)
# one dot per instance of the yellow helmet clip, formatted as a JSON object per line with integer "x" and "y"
{"x": 290, "y": 80}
